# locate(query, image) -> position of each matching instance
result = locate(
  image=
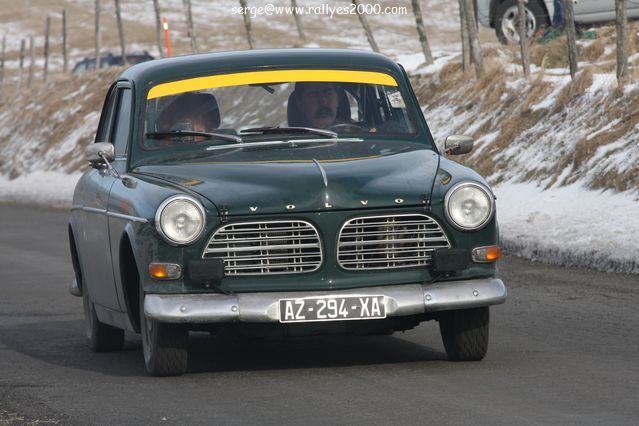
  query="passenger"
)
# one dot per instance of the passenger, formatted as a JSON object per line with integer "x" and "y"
{"x": 195, "y": 112}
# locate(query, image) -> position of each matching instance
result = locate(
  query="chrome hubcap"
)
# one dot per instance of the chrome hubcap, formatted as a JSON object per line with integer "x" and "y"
{"x": 510, "y": 24}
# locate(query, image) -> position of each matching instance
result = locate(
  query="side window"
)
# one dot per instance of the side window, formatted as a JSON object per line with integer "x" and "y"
{"x": 106, "y": 118}
{"x": 122, "y": 122}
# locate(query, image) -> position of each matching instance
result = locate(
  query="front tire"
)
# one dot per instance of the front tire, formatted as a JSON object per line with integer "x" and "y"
{"x": 100, "y": 337}
{"x": 165, "y": 346}
{"x": 465, "y": 333}
{"x": 507, "y": 18}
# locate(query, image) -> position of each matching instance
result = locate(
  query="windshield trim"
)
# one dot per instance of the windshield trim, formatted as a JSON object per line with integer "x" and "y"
{"x": 291, "y": 142}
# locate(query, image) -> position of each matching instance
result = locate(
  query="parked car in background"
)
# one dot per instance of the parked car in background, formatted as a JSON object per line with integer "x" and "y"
{"x": 110, "y": 60}
{"x": 286, "y": 192}
{"x": 503, "y": 16}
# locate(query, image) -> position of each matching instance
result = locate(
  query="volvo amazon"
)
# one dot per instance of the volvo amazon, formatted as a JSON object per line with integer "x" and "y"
{"x": 287, "y": 192}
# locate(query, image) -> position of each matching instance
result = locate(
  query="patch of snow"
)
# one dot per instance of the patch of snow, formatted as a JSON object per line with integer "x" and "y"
{"x": 550, "y": 100}
{"x": 602, "y": 82}
{"x": 570, "y": 226}
{"x": 41, "y": 187}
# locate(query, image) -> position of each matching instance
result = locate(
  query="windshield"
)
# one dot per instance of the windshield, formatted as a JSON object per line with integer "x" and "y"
{"x": 256, "y": 107}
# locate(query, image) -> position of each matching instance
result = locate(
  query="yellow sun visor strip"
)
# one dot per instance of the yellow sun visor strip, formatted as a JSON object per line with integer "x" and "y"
{"x": 266, "y": 77}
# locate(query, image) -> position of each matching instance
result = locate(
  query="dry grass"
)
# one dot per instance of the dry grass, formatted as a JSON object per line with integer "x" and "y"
{"x": 536, "y": 91}
{"x": 50, "y": 114}
{"x": 574, "y": 89}
{"x": 551, "y": 55}
{"x": 512, "y": 111}
{"x": 594, "y": 51}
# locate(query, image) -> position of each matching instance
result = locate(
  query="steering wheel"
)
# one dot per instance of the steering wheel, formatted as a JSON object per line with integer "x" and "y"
{"x": 346, "y": 128}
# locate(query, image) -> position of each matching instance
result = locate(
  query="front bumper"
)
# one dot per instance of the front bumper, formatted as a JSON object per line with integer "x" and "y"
{"x": 399, "y": 300}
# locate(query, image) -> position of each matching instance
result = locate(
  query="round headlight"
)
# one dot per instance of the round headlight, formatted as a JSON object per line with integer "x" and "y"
{"x": 180, "y": 219}
{"x": 469, "y": 206}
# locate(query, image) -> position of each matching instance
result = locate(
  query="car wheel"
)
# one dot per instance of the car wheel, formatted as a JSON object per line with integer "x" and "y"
{"x": 507, "y": 20}
{"x": 100, "y": 337}
{"x": 165, "y": 346}
{"x": 465, "y": 333}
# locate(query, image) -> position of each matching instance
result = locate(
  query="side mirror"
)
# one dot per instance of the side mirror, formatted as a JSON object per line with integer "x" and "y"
{"x": 96, "y": 151}
{"x": 458, "y": 144}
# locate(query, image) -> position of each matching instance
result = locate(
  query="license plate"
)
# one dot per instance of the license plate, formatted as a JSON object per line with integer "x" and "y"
{"x": 331, "y": 308}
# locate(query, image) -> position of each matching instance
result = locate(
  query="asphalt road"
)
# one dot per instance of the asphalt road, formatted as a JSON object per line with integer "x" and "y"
{"x": 563, "y": 350}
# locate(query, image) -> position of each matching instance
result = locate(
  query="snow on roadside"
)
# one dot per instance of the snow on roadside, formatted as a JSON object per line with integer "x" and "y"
{"x": 47, "y": 188}
{"x": 563, "y": 225}
{"x": 570, "y": 226}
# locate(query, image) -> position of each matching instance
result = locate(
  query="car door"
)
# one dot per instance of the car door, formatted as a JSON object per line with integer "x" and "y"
{"x": 120, "y": 206}
{"x": 96, "y": 256}
{"x": 594, "y": 10}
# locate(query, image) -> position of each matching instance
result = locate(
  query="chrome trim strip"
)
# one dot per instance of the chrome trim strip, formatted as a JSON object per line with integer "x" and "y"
{"x": 322, "y": 171}
{"x": 128, "y": 217}
{"x": 112, "y": 214}
{"x": 400, "y": 300}
{"x": 94, "y": 210}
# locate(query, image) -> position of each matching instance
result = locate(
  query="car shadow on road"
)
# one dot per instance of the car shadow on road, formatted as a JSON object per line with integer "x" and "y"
{"x": 215, "y": 354}
{"x": 61, "y": 343}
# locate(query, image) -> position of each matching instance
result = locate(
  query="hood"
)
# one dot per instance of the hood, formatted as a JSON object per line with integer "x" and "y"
{"x": 277, "y": 186}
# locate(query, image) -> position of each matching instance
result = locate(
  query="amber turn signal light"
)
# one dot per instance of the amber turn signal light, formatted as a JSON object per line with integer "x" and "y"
{"x": 486, "y": 254}
{"x": 165, "y": 271}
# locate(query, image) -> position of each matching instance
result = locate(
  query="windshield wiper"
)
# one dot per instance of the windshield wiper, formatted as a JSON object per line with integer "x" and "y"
{"x": 288, "y": 130}
{"x": 191, "y": 133}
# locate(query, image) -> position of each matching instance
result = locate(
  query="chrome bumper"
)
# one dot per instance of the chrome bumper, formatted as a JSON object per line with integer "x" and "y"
{"x": 400, "y": 300}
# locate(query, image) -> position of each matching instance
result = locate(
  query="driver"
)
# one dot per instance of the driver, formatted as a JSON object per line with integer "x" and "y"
{"x": 318, "y": 103}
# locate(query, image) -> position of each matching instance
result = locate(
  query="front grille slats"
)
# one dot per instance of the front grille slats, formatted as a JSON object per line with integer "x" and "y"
{"x": 260, "y": 247}
{"x": 387, "y": 242}
{"x": 263, "y": 248}
{"x": 375, "y": 251}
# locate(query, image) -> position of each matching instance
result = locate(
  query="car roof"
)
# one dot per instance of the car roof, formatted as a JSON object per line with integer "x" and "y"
{"x": 170, "y": 69}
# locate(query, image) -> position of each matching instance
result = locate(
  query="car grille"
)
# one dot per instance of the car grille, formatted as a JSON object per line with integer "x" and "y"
{"x": 259, "y": 248}
{"x": 394, "y": 241}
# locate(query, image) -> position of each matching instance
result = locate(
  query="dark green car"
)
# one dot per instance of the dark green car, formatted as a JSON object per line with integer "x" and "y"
{"x": 287, "y": 192}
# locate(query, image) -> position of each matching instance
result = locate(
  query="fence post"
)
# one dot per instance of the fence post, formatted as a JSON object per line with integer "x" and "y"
{"x": 4, "y": 48}
{"x": 423, "y": 39}
{"x": 31, "y": 61}
{"x": 475, "y": 47}
{"x": 247, "y": 24}
{"x": 47, "y": 31}
{"x": 158, "y": 27}
{"x": 22, "y": 47}
{"x": 367, "y": 28}
{"x": 65, "y": 42}
{"x": 189, "y": 25}
{"x": 464, "y": 36}
{"x": 118, "y": 18}
{"x": 622, "y": 39}
{"x": 298, "y": 21}
{"x": 523, "y": 39}
{"x": 98, "y": 59}
{"x": 572, "y": 37}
